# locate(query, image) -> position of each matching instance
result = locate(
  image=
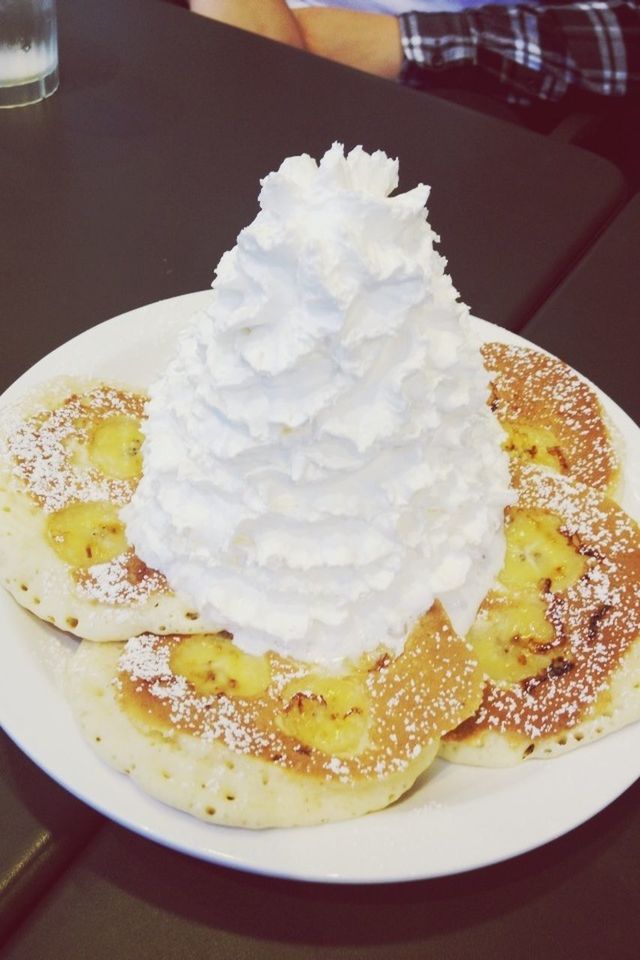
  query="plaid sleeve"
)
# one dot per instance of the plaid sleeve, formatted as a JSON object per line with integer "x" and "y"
{"x": 533, "y": 51}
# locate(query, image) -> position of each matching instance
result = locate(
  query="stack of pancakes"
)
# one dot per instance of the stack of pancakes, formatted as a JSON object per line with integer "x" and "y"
{"x": 552, "y": 660}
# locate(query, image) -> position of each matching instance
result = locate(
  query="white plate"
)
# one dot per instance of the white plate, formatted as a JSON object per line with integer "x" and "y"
{"x": 456, "y": 818}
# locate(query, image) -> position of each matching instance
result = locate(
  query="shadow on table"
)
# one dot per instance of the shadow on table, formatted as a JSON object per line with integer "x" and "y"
{"x": 48, "y": 807}
{"x": 351, "y": 916}
{"x": 43, "y": 829}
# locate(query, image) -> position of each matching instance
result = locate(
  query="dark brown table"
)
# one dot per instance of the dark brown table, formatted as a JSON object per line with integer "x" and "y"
{"x": 125, "y": 188}
{"x": 593, "y": 319}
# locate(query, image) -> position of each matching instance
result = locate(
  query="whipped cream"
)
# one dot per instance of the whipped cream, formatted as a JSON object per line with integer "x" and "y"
{"x": 320, "y": 462}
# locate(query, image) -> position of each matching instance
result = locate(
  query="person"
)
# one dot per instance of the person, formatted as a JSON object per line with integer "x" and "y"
{"x": 525, "y": 53}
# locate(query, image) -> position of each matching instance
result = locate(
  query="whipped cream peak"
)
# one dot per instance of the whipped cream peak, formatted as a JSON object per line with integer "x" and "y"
{"x": 319, "y": 460}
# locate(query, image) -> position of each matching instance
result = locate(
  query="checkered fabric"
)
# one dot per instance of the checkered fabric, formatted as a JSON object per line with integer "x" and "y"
{"x": 531, "y": 52}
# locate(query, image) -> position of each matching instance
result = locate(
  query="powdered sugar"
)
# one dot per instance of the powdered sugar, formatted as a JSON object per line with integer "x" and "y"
{"x": 124, "y": 580}
{"x": 411, "y": 701}
{"x": 41, "y": 448}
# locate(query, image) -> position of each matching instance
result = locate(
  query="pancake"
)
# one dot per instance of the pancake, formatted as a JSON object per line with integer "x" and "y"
{"x": 559, "y": 635}
{"x": 263, "y": 741}
{"x": 552, "y": 417}
{"x": 69, "y": 459}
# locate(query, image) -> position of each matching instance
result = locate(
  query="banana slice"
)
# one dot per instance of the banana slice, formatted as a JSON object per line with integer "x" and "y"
{"x": 558, "y": 637}
{"x": 551, "y": 416}
{"x": 69, "y": 460}
{"x": 538, "y": 552}
{"x": 84, "y": 534}
{"x": 261, "y": 741}
{"x": 114, "y": 447}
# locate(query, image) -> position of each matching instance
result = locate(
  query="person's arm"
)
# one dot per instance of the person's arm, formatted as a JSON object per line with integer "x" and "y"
{"x": 532, "y": 52}
{"x": 270, "y": 18}
{"x": 366, "y": 41}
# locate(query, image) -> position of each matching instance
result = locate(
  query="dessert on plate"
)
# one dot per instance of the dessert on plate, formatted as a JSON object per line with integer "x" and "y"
{"x": 320, "y": 467}
{"x": 395, "y": 537}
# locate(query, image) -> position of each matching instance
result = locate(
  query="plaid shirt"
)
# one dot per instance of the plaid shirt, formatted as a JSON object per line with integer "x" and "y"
{"x": 530, "y": 52}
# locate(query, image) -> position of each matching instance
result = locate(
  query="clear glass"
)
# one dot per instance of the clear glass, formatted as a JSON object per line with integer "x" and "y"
{"x": 28, "y": 51}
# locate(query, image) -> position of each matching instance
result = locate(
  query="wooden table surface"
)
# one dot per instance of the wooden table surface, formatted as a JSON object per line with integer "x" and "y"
{"x": 125, "y": 188}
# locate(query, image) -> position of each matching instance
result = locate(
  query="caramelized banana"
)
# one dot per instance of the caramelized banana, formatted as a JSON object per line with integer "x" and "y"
{"x": 86, "y": 533}
{"x": 215, "y": 666}
{"x": 538, "y": 553}
{"x": 538, "y": 445}
{"x": 512, "y": 637}
{"x": 328, "y": 713}
{"x": 114, "y": 447}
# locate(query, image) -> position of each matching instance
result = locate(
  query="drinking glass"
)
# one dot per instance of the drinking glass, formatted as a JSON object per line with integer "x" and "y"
{"x": 28, "y": 51}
